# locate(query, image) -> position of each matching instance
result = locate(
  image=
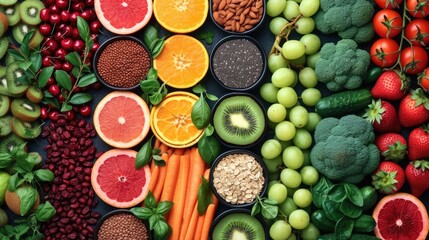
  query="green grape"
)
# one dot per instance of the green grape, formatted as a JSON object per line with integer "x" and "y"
{"x": 285, "y": 131}
{"x": 276, "y": 24}
{"x": 284, "y": 144}
{"x": 271, "y": 183}
{"x": 290, "y": 178}
{"x": 277, "y": 192}
{"x": 311, "y": 96}
{"x": 293, "y": 157}
{"x": 291, "y": 10}
{"x": 302, "y": 139}
{"x": 283, "y": 77}
{"x": 299, "y": 219}
{"x": 309, "y": 175}
{"x": 276, "y": 61}
{"x": 312, "y": 60}
{"x": 299, "y": 61}
{"x": 313, "y": 120}
{"x": 309, "y": 7}
{"x": 287, "y": 97}
{"x": 274, "y": 164}
{"x": 310, "y": 232}
{"x": 293, "y": 49}
{"x": 305, "y": 25}
{"x": 269, "y": 92}
{"x": 271, "y": 149}
{"x": 287, "y": 206}
{"x": 302, "y": 197}
{"x": 275, "y": 7}
{"x": 298, "y": 115}
{"x": 280, "y": 230}
{"x": 292, "y": 236}
{"x": 311, "y": 42}
{"x": 307, "y": 77}
{"x": 276, "y": 113}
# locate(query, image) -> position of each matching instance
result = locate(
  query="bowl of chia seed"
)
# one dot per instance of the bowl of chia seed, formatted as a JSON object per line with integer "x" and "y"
{"x": 238, "y": 63}
{"x": 121, "y": 62}
{"x": 121, "y": 224}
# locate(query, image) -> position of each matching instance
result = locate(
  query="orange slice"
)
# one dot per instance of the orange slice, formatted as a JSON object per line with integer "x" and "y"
{"x": 171, "y": 120}
{"x": 183, "y": 61}
{"x": 180, "y": 16}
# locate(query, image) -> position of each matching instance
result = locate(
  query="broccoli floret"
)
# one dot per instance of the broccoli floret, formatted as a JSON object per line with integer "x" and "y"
{"x": 344, "y": 149}
{"x": 342, "y": 66}
{"x": 349, "y": 18}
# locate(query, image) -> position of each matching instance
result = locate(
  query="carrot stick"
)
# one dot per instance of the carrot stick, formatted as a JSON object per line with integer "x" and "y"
{"x": 189, "y": 231}
{"x": 208, "y": 219}
{"x": 161, "y": 177}
{"x": 171, "y": 178}
{"x": 179, "y": 151}
{"x": 199, "y": 227}
{"x": 157, "y": 143}
{"x": 175, "y": 216}
{"x": 163, "y": 148}
{"x": 153, "y": 178}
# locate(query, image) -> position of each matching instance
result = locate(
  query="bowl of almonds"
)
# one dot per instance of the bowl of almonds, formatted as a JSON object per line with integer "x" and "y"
{"x": 238, "y": 177}
{"x": 237, "y": 16}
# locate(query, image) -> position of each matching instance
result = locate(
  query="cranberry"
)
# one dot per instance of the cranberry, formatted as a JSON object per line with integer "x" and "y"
{"x": 54, "y": 116}
{"x": 46, "y": 61}
{"x": 73, "y": 18}
{"x": 62, "y": 4}
{"x": 94, "y": 26}
{"x": 67, "y": 67}
{"x": 89, "y": 3}
{"x": 95, "y": 46}
{"x": 70, "y": 115}
{"x": 85, "y": 111}
{"x": 78, "y": 7}
{"x": 45, "y": 29}
{"x": 60, "y": 53}
{"x": 55, "y": 18}
{"x": 44, "y": 14}
{"x": 78, "y": 45}
{"x": 75, "y": 33}
{"x": 65, "y": 16}
{"x": 51, "y": 45}
{"x": 54, "y": 90}
{"x": 54, "y": 9}
{"x": 51, "y": 81}
{"x": 67, "y": 44}
{"x": 43, "y": 113}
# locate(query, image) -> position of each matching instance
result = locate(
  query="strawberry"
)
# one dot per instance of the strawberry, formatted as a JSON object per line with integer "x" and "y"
{"x": 417, "y": 174}
{"x": 382, "y": 116}
{"x": 390, "y": 85}
{"x": 413, "y": 109}
{"x": 392, "y": 146}
{"x": 418, "y": 143}
{"x": 388, "y": 178}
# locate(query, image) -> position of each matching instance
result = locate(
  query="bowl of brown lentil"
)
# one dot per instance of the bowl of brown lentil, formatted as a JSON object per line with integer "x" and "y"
{"x": 121, "y": 224}
{"x": 121, "y": 62}
{"x": 238, "y": 177}
{"x": 238, "y": 16}
{"x": 238, "y": 63}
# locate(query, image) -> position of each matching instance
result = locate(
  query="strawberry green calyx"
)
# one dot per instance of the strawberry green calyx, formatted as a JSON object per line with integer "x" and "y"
{"x": 396, "y": 152}
{"x": 385, "y": 182}
{"x": 405, "y": 80}
{"x": 421, "y": 164}
{"x": 420, "y": 97}
{"x": 374, "y": 111}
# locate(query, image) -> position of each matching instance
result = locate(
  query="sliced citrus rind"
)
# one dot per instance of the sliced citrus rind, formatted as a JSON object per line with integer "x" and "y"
{"x": 116, "y": 181}
{"x": 171, "y": 120}
{"x": 121, "y": 119}
{"x": 180, "y": 16}
{"x": 183, "y": 62}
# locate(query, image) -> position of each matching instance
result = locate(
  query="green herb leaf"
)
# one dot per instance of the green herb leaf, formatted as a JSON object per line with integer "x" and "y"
{"x": 144, "y": 155}
{"x": 256, "y": 209}
{"x": 87, "y": 80}
{"x": 44, "y": 212}
{"x": 344, "y": 228}
{"x": 63, "y": 79}
{"x": 270, "y": 201}
{"x": 152, "y": 75}
{"x": 149, "y": 201}
{"x": 354, "y": 194}
{"x": 269, "y": 211}
{"x": 209, "y": 130}
{"x": 24, "y": 65}
{"x": 44, "y": 175}
{"x": 211, "y": 97}
{"x": 159, "y": 161}
{"x": 158, "y": 45}
{"x": 44, "y": 76}
{"x": 5, "y": 160}
{"x": 27, "y": 195}
{"x": 80, "y": 98}
{"x": 21, "y": 161}
{"x": 155, "y": 98}
{"x": 83, "y": 28}
{"x": 161, "y": 230}
{"x": 66, "y": 107}
{"x": 74, "y": 59}
{"x": 209, "y": 148}
{"x": 142, "y": 212}
{"x": 25, "y": 48}
{"x": 332, "y": 210}
{"x": 199, "y": 89}
{"x": 206, "y": 36}
{"x": 150, "y": 34}
{"x": 204, "y": 196}
{"x": 16, "y": 55}
{"x": 200, "y": 113}
{"x": 337, "y": 193}
{"x": 149, "y": 86}
{"x": 320, "y": 191}
{"x": 21, "y": 230}
{"x": 13, "y": 182}
{"x": 349, "y": 209}
{"x": 163, "y": 207}
{"x": 36, "y": 60}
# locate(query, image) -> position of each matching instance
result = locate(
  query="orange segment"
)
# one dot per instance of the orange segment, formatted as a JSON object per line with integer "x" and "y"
{"x": 171, "y": 120}
{"x": 183, "y": 62}
{"x": 181, "y": 16}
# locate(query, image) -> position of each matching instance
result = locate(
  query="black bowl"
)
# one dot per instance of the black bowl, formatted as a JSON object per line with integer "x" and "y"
{"x": 237, "y": 210}
{"x": 254, "y": 28}
{"x": 238, "y": 151}
{"x": 263, "y": 58}
{"x": 232, "y": 94}
{"x": 114, "y": 212}
{"x": 100, "y": 50}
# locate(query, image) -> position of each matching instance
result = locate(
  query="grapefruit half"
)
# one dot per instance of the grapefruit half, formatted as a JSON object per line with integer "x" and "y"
{"x": 121, "y": 119}
{"x": 401, "y": 216}
{"x": 123, "y": 16}
{"x": 116, "y": 181}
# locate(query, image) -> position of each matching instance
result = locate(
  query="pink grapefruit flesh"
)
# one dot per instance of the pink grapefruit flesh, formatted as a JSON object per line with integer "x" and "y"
{"x": 123, "y": 16}
{"x": 116, "y": 181}
{"x": 401, "y": 216}
{"x": 121, "y": 119}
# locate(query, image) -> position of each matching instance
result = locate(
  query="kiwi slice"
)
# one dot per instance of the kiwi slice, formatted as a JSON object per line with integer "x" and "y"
{"x": 4, "y": 105}
{"x": 25, "y": 110}
{"x": 26, "y": 130}
{"x": 12, "y": 12}
{"x": 3, "y": 81}
{"x": 5, "y": 127}
{"x": 238, "y": 226}
{"x": 11, "y": 141}
{"x": 30, "y": 11}
{"x": 4, "y": 44}
{"x": 34, "y": 94}
{"x": 36, "y": 39}
{"x": 239, "y": 120}
{"x": 13, "y": 74}
{"x": 8, "y": 2}
{"x": 19, "y": 31}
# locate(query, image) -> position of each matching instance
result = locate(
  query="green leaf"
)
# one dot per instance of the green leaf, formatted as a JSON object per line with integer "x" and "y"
{"x": 5, "y": 160}
{"x": 16, "y": 55}
{"x": 63, "y": 79}
{"x": 209, "y": 130}
{"x": 24, "y": 65}
{"x": 150, "y": 34}
{"x": 349, "y": 209}
{"x": 150, "y": 85}
{"x": 200, "y": 113}
{"x": 87, "y": 80}
{"x": 161, "y": 230}
{"x": 150, "y": 201}
{"x": 337, "y": 193}
{"x": 44, "y": 76}
{"x": 211, "y": 97}
{"x": 74, "y": 59}
{"x": 21, "y": 230}
{"x": 80, "y": 98}
{"x": 354, "y": 194}
{"x": 152, "y": 75}
{"x": 51, "y": 100}
{"x": 159, "y": 161}
{"x": 13, "y": 182}
{"x": 206, "y": 36}
{"x": 155, "y": 98}
{"x": 153, "y": 220}
{"x": 44, "y": 212}
{"x": 27, "y": 195}
{"x": 320, "y": 191}
{"x": 23, "y": 163}
{"x": 344, "y": 228}
{"x": 269, "y": 211}
{"x": 332, "y": 210}
{"x": 204, "y": 196}
{"x": 144, "y": 155}
{"x": 75, "y": 72}
{"x": 25, "y": 48}
{"x": 199, "y": 89}
{"x": 157, "y": 47}
{"x": 209, "y": 148}
{"x": 256, "y": 209}
{"x": 83, "y": 28}
{"x": 36, "y": 60}
{"x": 270, "y": 201}
{"x": 66, "y": 107}
{"x": 142, "y": 212}
{"x": 163, "y": 207}
{"x": 44, "y": 175}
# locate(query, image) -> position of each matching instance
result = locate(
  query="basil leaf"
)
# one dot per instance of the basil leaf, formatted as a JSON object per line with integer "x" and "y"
{"x": 144, "y": 155}
{"x": 80, "y": 98}
{"x": 256, "y": 209}
{"x": 44, "y": 175}
{"x": 354, "y": 194}
{"x": 212, "y": 97}
{"x": 209, "y": 148}
{"x": 142, "y": 212}
{"x": 269, "y": 211}
{"x": 155, "y": 98}
{"x": 36, "y": 60}
{"x": 153, "y": 221}
{"x": 200, "y": 113}
{"x": 162, "y": 230}
{"x": 152, "y": 74}
{"x": 13, "y": 182}
{"x": 150, "y": 34}
{"x": 27, "y": 195}
{"x": 349, "y": 209}
{"x": 63, "y": 79}
{"x": 320, "y": 191}
{"x": 87, "y": 80}
{"x": 83, "y": 28}
{"x": 23, "y": 163}
{"x": 337, "y": 193}
{"x": 21, "y": 230}
{"x": 149, "y": 85}
{"x": 344, "y": 228}
{"x": 163, "y": 207}
{"x": 44, "y": 75}
{"x": 158, "y": 45}
{"x": 198, "y": 89}
{"x": 44, "y": 212}
{"x": 74, "y": 59}
{"x": 204, "y": 196}
{"x": 149, "y": 201}
{"x": 270, "y": 201}
{"x": 209, "y": 130}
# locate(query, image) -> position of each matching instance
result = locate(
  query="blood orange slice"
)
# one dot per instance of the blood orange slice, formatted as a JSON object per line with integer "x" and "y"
{"x": 123, "y": 16}
{"x": 116, "y": 181}
{"x": 121, "y": 119}
{"x": 401, "y": 216}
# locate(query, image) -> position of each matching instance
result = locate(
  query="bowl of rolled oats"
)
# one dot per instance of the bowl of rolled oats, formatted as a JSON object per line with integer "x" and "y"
{"x": 238, "y": 177}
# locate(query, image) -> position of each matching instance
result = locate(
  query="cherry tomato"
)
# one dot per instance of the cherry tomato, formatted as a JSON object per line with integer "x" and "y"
{"x": 413, "y": 60}
{"x": 424, "y": 79}
{"x": 418, "y": 8}
{"x": 387, "y": 23}
{"x": 390, "y": 4}
{"x": 417, "y": 31}
{"x": 384, "y": 52}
